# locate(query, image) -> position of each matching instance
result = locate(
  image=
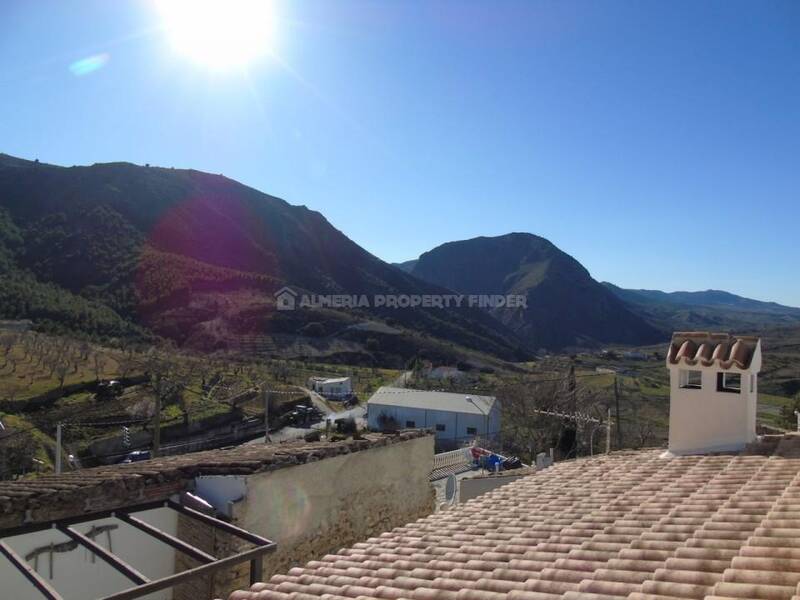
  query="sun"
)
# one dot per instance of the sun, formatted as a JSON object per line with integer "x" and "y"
{"x": 219, "y": 34}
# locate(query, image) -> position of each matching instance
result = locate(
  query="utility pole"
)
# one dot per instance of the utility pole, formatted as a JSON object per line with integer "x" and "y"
{"x": 58, "y": 448}
{"x": 616, "y": 403}
{"x": 157, "y": 424}
{"x": 608, "y": 432}
{"x": 572, "y": 387}
{"x": 265, "y": 393}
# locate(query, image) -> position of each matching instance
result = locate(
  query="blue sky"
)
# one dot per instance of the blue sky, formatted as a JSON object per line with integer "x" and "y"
{"x": 656, "y": 142}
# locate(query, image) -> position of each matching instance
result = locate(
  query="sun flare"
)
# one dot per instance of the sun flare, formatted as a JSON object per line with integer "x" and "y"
{"x": 219, "y": 34}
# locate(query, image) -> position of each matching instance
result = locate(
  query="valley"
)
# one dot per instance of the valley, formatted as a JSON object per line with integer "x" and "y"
{"x": 108, "y": 277}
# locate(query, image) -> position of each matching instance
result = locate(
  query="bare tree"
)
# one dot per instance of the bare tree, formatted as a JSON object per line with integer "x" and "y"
{"x": 61, "y": 369}
{"x": 168, "y": 378}
{"x": 644, "y": 425}
{"x": 527, "y": 429}
{"x": 99, "y": 362}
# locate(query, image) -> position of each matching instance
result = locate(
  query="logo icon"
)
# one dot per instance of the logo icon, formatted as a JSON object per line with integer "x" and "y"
{"x": 285, "y": 298}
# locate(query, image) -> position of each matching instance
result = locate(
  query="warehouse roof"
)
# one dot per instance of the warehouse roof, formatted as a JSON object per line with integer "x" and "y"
{"x": 635, "y": 524}
{"x": 444, "y": 401}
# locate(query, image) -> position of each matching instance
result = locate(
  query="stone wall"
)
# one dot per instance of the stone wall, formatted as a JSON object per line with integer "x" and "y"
{"x": 319, "y": 507}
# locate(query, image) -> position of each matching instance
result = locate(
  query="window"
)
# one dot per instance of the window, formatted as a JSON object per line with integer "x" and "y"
{"x": 729, "y": 382}
{"x": 472, "y": 431}
{"x": 411, "y": 424}
{"x": 692, "y": 380}
{"x": 752, "y": 383}
{"x": 440, "y": 427}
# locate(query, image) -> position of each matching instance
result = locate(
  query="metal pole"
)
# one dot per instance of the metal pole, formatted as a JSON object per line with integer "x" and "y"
{"x": 58, "y": 449}
{"x": 157, "y": 423}
{"x": 616, "y": 402}
{"x": 266, "y": 415}
{"x": 256, "y": 570}
{"x": 608, "y": 432}
{"x": 797, "y": 414}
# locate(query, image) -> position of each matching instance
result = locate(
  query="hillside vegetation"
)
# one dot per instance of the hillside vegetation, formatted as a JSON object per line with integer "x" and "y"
{"x": 46, "y": 380}
{"x": 128, "y": 252}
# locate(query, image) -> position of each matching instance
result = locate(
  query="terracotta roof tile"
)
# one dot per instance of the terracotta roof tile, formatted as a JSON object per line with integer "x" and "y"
{"x": 628, "y": 525}
{"x": 702, "y": 348}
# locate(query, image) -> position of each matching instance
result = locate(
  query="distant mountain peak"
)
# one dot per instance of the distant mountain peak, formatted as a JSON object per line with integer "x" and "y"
{"x": 566, "y": 307}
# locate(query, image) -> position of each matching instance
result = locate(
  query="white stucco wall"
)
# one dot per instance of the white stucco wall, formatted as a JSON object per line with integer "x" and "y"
{"x": 705, "y": 420}
{"x": 319, "y": 507}
{"x": 76, "y": 576}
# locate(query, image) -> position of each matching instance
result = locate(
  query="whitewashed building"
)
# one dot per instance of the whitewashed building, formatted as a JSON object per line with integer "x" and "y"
{"x": 713, "y": 391}
{"x": 332, "y": 387}
{"x": 452, "y": 416}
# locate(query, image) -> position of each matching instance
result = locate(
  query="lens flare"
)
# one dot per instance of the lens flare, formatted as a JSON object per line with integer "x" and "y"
{"x": 207, "y": 269}
{"x": 88, "y": 65}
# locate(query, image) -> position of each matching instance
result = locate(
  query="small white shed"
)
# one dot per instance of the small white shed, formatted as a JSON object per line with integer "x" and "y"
{"x": 337, "y": 388}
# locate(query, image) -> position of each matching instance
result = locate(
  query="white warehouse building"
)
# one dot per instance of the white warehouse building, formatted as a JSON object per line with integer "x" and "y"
{"x": 452, "y": 416}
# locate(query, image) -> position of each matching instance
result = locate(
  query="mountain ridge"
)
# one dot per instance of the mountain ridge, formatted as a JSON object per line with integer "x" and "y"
{"x": 197, "y": 257}
{"x": 709, "y": 297}
{"x": 707, "y": 309}
{"x": 566, "y": 306}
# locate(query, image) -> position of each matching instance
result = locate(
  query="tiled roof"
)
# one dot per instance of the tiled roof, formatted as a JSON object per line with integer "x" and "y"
{"x": 707, "y": 349}
{"x": 71, "y": 494}
{"x": 429, "y": 400}
{"x": 630, "y": 525}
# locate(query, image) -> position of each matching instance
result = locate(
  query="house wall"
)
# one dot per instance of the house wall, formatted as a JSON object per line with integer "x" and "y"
{"x": 705, "y": 420}
{"x": 77, "y": 576}
{"x": 455, "y": 423}
{"x": 319, "y": 507}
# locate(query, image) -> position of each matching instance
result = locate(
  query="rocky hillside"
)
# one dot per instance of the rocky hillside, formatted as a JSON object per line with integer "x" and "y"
{"x": 119, "y": 250}
{"x": 565, "y": 306}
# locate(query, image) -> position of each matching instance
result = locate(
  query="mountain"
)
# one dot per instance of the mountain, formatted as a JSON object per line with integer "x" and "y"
{"x": 407, "y": 266}
{"x": 710, "y": 309}
{"x": 565, "y": 306}
{"x": 126, "y": 251}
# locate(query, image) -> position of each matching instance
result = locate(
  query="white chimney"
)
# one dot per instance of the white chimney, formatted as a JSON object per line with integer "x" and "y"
{"x": 713, "y": 391}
